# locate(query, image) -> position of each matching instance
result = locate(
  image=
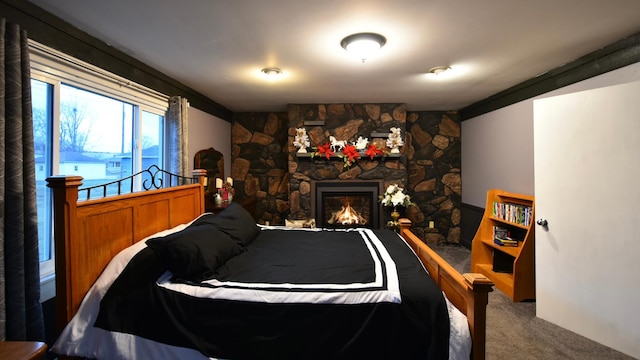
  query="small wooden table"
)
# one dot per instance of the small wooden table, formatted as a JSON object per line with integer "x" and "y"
{"x": 248, "y": 203}
{"x": 23, "y": 350}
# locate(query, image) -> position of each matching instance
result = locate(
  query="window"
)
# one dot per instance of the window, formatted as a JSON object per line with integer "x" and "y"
{"x": 90, "y": 123}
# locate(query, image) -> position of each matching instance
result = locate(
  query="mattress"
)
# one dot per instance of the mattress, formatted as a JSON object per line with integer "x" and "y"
{"x": 287, "y": 295}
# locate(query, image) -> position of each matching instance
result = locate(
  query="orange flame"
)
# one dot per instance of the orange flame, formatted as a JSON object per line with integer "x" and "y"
{"x": 348, "y": 216}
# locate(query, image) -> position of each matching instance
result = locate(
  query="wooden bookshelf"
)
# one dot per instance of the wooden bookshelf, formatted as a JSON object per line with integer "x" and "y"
{"x": 512, "y": 269}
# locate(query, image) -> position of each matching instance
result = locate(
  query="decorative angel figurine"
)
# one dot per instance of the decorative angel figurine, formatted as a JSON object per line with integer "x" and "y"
{"x": 395, "y": 140}
{"x": 301, "y": 140}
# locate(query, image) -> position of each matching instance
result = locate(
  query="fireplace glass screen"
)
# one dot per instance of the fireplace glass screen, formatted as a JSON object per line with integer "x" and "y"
{"x": 345, "y": 206}
{"x": 347, "y": 210}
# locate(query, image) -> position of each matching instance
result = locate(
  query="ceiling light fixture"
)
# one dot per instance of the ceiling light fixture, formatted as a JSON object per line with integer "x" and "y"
{"x": 363, "y": 45}
{"x": 271, "y": 71}
{"x": 438, "y": 70}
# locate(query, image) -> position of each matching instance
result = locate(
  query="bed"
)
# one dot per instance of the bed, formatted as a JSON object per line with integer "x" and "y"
{"x": 97, "y": 240}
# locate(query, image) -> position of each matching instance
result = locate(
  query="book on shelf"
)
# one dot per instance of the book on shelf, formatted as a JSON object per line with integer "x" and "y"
{"x": 500, "y": 231}
{"x": 502, "y": 236}
{"x": 505, "y": 242}
{"x": 515, "y": 213}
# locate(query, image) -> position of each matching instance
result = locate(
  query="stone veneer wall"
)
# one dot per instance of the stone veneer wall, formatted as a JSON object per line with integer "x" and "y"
{"x": 259, "y": 163}
{"x": 263, "y": 165}
{"x": 434, "y": 175}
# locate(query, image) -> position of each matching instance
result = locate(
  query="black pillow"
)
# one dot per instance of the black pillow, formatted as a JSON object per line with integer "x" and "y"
{"x": 194, "y": 253}
{"x": 234, "y": 221}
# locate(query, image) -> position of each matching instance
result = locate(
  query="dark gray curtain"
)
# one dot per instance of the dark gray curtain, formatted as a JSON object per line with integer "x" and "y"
{"x": 20, "y": 309}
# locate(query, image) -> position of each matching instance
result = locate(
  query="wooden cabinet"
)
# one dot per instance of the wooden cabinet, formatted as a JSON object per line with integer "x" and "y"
{"x": 512, "y": 269}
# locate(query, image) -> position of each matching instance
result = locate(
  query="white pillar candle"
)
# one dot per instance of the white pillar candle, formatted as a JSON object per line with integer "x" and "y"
{"x": 218, "y": 183}
{"x": 230, "y": 181}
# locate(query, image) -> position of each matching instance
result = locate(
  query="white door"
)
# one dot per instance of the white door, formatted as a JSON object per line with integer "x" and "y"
{"x": 587, "y": 187}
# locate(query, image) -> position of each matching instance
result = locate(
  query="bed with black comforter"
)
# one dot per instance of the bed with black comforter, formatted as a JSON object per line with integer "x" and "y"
{"x": 228, "y": 288}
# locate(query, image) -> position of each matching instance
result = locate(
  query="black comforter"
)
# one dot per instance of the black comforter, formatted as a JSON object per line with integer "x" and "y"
{"x": 289, "y": 294}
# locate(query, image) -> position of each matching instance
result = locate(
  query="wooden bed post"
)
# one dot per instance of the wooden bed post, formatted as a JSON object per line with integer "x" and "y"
{"x": 468, "y": 292}
{"x": 65, "y": 198}
{"x": 200, "y": 174}
{"x": 477, "y": 311}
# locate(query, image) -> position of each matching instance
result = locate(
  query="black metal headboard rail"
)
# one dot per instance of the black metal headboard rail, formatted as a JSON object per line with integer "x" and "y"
{"x": 152, "y": 178}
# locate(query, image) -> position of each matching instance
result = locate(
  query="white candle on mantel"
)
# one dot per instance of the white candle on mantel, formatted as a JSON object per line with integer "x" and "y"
{"x": 230, "y": 181}
{"x": 218, "y": 183}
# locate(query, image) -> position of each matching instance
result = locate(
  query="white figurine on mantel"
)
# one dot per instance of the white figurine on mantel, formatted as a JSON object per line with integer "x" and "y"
{"x": 301, "y": 140}
{"x": 336, "y": 145}
{"x": 395, "y": 140}
{"x": 361, "y": 143}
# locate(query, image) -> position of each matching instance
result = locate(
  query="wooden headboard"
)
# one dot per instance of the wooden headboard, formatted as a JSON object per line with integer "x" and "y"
{"x": 88, "y": 234}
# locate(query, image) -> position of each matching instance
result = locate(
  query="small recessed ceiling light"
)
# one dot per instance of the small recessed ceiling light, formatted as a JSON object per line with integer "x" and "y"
{"x": 271, "y": 71}
{"x": 363, "y": 45}
{"x": 438, "y": 70}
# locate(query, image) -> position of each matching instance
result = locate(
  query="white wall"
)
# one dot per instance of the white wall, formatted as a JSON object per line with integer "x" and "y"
{"x": 497, "y": 147}
{"x": 497, "y": 153}
{"x": 207, "y": 131}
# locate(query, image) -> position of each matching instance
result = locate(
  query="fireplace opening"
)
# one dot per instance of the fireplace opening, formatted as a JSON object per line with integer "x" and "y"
{"x": 346, "y": 204}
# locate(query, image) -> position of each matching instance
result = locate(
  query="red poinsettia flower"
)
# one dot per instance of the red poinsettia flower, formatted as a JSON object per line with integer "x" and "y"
{"x": 350, "y": 152}
{"x": 325, "y": 150}
{"x": 372, "y": 151}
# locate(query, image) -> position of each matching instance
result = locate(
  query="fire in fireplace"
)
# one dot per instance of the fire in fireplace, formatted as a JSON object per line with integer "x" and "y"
{"x": 347, "y": 216}
{"x": 343, "y": 204}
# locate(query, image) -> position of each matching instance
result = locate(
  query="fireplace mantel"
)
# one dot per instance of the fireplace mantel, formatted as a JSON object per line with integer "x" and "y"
{"x": 338, "y": 156}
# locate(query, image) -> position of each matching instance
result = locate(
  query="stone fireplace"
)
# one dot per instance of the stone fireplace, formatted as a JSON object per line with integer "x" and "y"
{"x": 320, "y": 187}
{"x": 265, "y": 166}
{"x": 343, "y": 204}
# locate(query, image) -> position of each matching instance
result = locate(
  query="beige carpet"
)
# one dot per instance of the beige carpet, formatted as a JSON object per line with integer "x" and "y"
{"x": 514, "y": 332}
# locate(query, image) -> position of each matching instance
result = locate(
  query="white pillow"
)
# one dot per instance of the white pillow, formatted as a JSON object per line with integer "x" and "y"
{"x": 299, "y": 224}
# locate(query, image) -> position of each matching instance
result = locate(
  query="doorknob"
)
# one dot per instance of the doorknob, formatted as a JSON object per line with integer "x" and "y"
{"x": 542, "y": 222}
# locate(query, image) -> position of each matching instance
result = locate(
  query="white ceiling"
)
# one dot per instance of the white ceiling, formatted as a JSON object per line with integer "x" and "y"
{"x": 217, "y": 47}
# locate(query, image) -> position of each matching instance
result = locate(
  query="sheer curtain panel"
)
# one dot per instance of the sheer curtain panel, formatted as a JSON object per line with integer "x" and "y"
{"x": 177, "y": 120}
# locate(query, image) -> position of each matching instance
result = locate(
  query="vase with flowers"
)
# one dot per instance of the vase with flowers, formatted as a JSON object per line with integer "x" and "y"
{"x": 395, "y": 196}
{"x": 225, "y": 191}
{"x": 228, "y": 189}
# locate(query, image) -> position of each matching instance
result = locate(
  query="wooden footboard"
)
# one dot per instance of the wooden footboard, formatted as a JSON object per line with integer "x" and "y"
{"x": 89, "y": 233}
{"x": 468, "y": 292}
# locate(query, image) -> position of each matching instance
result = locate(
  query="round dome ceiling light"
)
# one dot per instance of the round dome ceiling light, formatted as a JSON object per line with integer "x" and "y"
{"x": 439, "y": 70}
{"x": 363, "y": 45}
{"x": 271, "y": 71}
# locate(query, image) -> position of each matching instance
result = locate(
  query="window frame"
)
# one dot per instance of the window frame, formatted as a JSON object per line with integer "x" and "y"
{"x": 56, "y": 68}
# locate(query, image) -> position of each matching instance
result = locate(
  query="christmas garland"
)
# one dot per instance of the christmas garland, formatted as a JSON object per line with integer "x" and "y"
{"x": 349, "y": 154}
